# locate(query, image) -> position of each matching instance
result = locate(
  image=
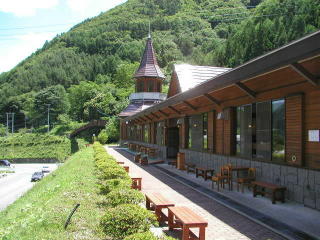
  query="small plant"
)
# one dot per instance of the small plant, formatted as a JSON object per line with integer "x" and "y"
{"x": 112, "y": 184}
{"x": 127, "y": 219}
{"x": 124, "y": 196}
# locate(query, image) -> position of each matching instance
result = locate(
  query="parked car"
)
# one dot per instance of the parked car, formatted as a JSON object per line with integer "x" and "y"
{"x": 37, "y": 176}
{"x": 5, "y": 163}
{"x": 45, "y": 169}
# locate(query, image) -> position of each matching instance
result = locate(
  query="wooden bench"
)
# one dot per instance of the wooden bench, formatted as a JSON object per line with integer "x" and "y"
{"x": 185, "y": 218}
{"x": 144, "y": 160}
{"x": 190, "y": 167}
{"x": 137, "y": 157}
{"x": 204, "y": 172}
{"x": 259, "y": 188}
{"x": 157, "y": 202}
{"x": 136, "y": 182}
{"x": 120, "y": 163}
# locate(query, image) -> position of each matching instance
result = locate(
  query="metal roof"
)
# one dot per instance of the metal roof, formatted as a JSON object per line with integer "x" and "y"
{"x": 135, "y": 107}
{"x": 149, "y": 66}
{"x": 190, "y": 76}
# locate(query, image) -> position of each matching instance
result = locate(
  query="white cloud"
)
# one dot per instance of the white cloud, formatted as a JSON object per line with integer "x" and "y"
{"x": 24, "y": 46}
{"x": 23, "y": 8}
{"x": 90, "y": 8}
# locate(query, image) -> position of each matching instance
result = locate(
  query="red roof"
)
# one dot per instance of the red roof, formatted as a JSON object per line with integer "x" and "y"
{"x": 149, "y": 66}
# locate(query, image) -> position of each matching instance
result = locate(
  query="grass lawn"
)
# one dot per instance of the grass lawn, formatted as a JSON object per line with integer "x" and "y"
{"x": 42, "y": 211}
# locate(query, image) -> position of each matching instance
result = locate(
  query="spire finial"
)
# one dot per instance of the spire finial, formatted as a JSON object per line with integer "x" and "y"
{"x": 149, "y": 36}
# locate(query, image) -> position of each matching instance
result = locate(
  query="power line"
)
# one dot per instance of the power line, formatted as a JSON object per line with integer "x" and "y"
{"x": 39, "y": 26}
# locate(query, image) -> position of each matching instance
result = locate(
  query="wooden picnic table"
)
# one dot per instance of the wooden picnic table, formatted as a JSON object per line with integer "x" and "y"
{"x": 274, "y": 190}
{"x": 206, "y": 173}
{"x": 185, "y": 218}
{"x": 190, "y": 167}
{"x": 157, "y": 202}
{"x": 136, "y": 182}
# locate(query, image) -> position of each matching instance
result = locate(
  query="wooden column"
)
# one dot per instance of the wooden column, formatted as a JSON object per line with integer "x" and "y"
{"x": 211, "y": 131}
{"x": 229, "y": 131}
{"x": 294, "y": 130}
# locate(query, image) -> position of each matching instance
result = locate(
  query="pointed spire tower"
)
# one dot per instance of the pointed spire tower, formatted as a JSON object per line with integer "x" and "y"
{"x": 148, "y": 79}
{"x": 149, "y": 76}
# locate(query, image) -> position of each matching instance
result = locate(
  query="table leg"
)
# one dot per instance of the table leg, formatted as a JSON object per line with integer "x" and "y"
{"x": 254, "y": 190}
{"x": 205, "y": 173}
{"x": 197, "y": 173}
{"x": 202, "y": 233}
{"x": 170, "y": 220}
{"x": 185, "y": 232}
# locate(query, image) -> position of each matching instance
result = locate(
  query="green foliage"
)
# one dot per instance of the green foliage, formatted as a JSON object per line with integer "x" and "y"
{"x": 147, "y": 236}
{"x": 127, "y": 219}
{"x": 112, "y": 130}
{"x": 41, "y": 212}
{"x": 112, "y": 184}
{"x": 3, "y": 130}
{"x": 103, "y": 136}
{"x": 29, "y": 145}
{"x": 124, "y": 196}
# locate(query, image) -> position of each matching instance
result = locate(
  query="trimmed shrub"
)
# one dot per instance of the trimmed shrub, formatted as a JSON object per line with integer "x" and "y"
{"x": 113, "y": 184}
{"x": 147, "y": 236}
{"x": 114, "y": 173}
{"x": 127, "y": 219}
{"x": 142, "y": 236}
{"x": 124, "y": 196}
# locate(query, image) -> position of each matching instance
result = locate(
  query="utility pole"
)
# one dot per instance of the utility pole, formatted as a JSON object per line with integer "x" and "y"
{"x": 7, "y": 124}
{"x": 12, "y": 123}
{"x": 48, "y": 117}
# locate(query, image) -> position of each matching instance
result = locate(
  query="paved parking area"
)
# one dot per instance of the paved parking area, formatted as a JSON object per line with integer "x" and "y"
{"x": 16, "y": 184}
{"x": 223, "y": 223}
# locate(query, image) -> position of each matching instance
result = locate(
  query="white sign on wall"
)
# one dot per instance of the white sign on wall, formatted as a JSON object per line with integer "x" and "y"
{"x": 314, "y": 135}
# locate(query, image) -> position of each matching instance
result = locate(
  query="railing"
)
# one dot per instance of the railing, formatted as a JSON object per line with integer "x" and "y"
{"x": 148, "y": 96}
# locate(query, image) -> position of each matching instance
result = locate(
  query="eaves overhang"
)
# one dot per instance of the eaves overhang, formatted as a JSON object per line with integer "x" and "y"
{"x": 303, "y": 48}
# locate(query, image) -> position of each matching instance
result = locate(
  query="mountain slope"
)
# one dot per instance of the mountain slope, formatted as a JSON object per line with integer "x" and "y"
{"x": 106, "y": 49}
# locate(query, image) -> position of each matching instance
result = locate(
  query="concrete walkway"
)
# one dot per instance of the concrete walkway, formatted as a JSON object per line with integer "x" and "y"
{"x": 223, "y": 223}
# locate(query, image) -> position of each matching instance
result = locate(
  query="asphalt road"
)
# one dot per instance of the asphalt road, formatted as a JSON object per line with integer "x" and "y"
{"x": 16, "y": 184}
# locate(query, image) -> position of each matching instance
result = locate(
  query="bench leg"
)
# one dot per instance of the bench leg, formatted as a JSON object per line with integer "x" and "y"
{"x": 197, "y": 173}
{"x": 254, "y": 190}
{"x": 158, "y": 214}
{"x": 202, "y": 233}
{"x": 170, "y": 220}
{"x": 185, "y": 233}
{"x": 148, "y": 204}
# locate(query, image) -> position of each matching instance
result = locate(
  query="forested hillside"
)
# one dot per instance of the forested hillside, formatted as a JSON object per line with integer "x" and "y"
{"x": 86, "y": 73}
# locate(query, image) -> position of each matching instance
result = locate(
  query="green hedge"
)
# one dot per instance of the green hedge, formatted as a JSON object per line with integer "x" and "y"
{"x": 123, "y": 215}
{"x": 147, "y": 236}
{"x": 30, "y": 145}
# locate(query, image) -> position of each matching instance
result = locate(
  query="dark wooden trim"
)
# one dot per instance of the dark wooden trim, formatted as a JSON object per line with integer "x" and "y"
{"x": 212, "y": 99}
{"x": 148, "y": 118}
{"x": 305, "y": 73}
{"x": 296, "y": 51}
{"x": 156, "y": 116}
{"x": 246, "y": 89}
{"x": 175, "y": 110}
{"x": 190, "y": 105}
{"x": 163, "y": 113}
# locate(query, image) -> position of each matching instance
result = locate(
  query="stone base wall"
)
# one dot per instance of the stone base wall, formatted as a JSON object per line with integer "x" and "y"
{"x": 303, "y": 185}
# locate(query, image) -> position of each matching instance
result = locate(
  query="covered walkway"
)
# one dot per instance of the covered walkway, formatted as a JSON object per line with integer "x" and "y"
{"x": 224, "y": 223}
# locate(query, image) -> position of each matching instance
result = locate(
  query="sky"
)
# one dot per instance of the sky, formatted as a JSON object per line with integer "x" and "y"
{"x": 25, "y": 25}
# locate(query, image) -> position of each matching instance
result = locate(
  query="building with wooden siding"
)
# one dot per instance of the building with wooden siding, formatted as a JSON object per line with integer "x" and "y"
{"x": 264, "y": 114}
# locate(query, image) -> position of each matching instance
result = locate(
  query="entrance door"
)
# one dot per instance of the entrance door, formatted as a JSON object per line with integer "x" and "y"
{"x": 173, "y": 142}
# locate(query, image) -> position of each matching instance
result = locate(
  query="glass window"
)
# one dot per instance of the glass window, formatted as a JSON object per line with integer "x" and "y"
{"x": 244, "y": 131}
{"x": 146, "y": 133}
{"x": 205, "y": 130}
{"x": 189, "y": 133}
{"x": 263, "y": 130}
{"x": 278, "y": 130}
{"x": 150, "y": 86}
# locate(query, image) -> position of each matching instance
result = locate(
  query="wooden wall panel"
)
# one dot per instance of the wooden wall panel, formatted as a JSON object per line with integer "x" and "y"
{"x": 219, "y": 136}
{"x": 294, "y": 130}
{"x": 228, "y": 131}
{"x": 312, "y": 122}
